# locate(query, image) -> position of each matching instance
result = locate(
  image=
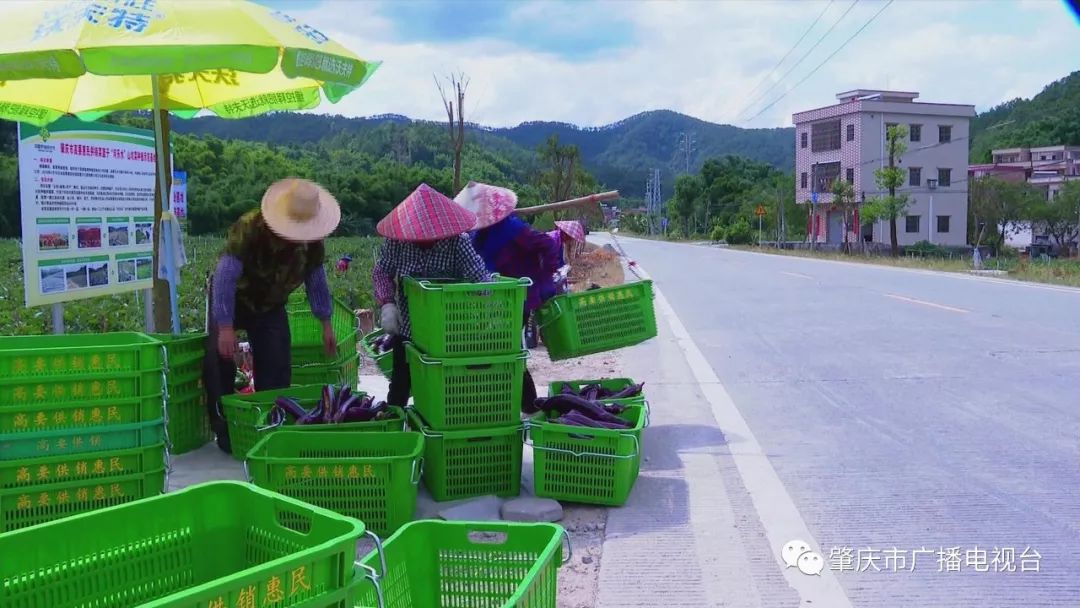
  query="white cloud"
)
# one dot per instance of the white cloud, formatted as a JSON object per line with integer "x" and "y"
{"x": 703, "y": 58}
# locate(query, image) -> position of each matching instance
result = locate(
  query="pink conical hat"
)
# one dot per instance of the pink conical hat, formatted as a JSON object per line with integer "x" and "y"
{"x": 572, "y": 228}
{"x": 426, "y": 215}
{"x": 491, "y": 204}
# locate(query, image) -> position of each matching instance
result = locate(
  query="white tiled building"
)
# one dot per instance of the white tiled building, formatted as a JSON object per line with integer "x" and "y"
{"x": 847, "y": 141}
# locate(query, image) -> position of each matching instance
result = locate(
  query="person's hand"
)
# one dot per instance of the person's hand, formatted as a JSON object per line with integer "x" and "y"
{"x": 389, "y": 319}
{"x": 226, "y": 342}
{"x": 329, "y": 339}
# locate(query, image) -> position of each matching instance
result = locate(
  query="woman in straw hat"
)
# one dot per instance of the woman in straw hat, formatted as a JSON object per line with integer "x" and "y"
{"x": 425, "y": 239}
{"x": 511, "y": 247}
{"x": 569, "y": 237}
{"x": 269, "y": 253}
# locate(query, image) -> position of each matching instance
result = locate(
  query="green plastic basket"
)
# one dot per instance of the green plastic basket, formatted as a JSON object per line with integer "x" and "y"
{"x": 83, "y": 355}
{"x": 372, "y": 478}
{"x": 385, "y": 361}
{"x": 454, "y": 319}
{"x": 586, "y": 465}
{"x": 82, "y": 440}
{"x": 343, "y": 371}
{"x": 29, "y": 506}
{"x": 467, "y": 392}
{"x": 475, "y": 462}
{"x": 248, "y": 417}
{"x": 433, "y": 564}
{"x": 216, "y": 544}
{"x": 611, "y": 384}
{"x": 79, "y": 414}
{"x": 184, "y": 353}
{"x": 79, "y": 467}
{"x": 188, "y": 424}
{"x": 597, "y": 320}
{"x": 305, "y": 330}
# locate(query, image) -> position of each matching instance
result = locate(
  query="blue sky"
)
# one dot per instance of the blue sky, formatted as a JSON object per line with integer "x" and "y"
{"x": 592, "y": 62}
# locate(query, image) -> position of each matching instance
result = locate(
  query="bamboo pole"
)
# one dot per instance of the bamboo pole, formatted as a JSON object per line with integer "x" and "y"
{"x": 574, "y": 202}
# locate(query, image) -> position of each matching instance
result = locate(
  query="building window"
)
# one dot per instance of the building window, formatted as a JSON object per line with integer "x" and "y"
{"x": 851, "y": 132}
{"x": 850, "y": 175}
{"x": 944, "y": 177}
{"x": 912, "y": 226}
{"x": 802, "y": 140}
{"x": 824, "y": 175}
{"x": 915, "y": 132}
{"x": 943, "y": 224}
{"x": 914, "y": 176}
{"x": 803, "y": 181}
{"x": 944, "y": 133}
{"x": 825, "y": 136}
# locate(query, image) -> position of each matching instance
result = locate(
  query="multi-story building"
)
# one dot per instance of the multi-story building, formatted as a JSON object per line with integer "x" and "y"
{"x": 1048, "y": 167}
{"x": 847, "y": 141}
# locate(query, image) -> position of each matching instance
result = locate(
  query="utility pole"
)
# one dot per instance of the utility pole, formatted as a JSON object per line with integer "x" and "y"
{"x": 653, "y": 198}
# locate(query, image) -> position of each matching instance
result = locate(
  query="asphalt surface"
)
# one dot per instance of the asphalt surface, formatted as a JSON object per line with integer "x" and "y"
{"x": 921, "y": 423}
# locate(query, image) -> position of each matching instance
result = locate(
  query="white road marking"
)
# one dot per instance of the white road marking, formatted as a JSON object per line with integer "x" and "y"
{"x": 777, "y": 511}
{"x": 797, "y": 275}
{"x": 925, "y": 303}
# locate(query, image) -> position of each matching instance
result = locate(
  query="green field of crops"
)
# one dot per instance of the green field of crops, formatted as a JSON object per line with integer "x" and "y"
{"x": 126, "y": 313}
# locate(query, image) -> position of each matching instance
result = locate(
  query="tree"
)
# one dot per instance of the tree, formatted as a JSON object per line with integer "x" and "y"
{"x": 455, "y": 116}
{"x": 1003, "y": 205}
{"x": 1061, "y": 214}
{"x": 688, "y": 190}
{"x": 891, "y": 206}
{"x": 844, "y": 199}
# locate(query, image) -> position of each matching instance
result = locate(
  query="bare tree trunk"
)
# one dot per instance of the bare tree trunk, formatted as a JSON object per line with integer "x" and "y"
{"x": 455, "y": 118}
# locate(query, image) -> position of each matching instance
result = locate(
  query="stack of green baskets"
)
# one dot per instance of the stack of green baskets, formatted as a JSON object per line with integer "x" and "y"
{"x": 597, "y": 320}
{"x": 223, "y": 543}
{"x": 248, "y": 416}
{"x": 466, "y": 361}
{"x": 81, "y": 424}
{"x": 310, "y": 363}
{"x": 187, "y": 422}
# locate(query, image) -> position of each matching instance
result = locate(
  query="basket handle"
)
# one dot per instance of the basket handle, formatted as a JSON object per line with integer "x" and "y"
{"x": 417, "y": 470}
{"x": 558, "y": 313}
{"x": 569, "y": 548}
{"x": 374, "y": 575}
{"x": 371, "y": 575}
{"x": 576, "y": 454}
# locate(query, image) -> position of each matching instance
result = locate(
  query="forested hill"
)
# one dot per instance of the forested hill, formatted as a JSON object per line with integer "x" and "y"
{"x": 1048, "y": 119}
{"x": 619, "y": 155}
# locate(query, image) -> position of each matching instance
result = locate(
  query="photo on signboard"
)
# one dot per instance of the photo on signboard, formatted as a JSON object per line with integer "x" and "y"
{"x": 144, "y": 268}
{"x": 125, "y": 271}
{"x": 52, "y": 237}
{"x": 118, "y": 235}
{"x": 52, "y": 279}
{"x": 89, "y": 236}
{"x": 143, "y": 233}
{"x": 99, "y": 274}
{"x": 76, "y": 276}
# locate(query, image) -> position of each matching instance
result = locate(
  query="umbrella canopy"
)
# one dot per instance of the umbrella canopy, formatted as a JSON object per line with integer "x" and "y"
{"x": 232, "y": 57}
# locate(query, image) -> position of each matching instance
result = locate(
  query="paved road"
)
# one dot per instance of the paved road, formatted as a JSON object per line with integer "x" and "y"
{"x": 902, "y": 411}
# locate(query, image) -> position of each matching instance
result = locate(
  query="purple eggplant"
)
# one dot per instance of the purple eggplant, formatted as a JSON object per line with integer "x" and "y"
{"x": 364, "y": 414}
{"x": 291, "y": 407}
{"x": 314, "y": 416}
{"x": 344, "y": 406}
{"x": 631, "y": 391}
{"x": 564, "y": 404}
{"x": 575, "y": 418}
{"x": 613, "y": 408}
{"x": 277, "y": 416}
{"x": 329, "y": 398}
{"x": 590, "y": 392}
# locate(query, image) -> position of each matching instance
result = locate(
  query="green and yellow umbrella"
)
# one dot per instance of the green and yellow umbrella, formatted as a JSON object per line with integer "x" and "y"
{"x": 235, "y": 58}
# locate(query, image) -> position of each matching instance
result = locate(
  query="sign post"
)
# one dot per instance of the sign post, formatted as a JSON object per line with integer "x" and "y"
{"x": 760, "y": 213}
{"x": 87, "y": 200}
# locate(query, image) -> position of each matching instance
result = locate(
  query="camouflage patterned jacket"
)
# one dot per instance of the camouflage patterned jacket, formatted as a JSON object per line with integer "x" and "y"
{"x": 272, "y": 267}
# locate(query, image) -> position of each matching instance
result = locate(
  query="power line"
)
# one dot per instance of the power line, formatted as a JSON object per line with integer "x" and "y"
{"x": 818, "y": 67}
{"x": 797, "y": 63}
{"x": 792, "y": 49}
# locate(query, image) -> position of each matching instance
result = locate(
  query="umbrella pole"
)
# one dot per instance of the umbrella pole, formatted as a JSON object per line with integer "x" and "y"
{"x": 163, "y": 291}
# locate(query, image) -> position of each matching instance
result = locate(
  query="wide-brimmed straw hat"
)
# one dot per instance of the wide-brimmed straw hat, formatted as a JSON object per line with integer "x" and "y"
{"x": 426, "y": 215}
{"x": 572, "y": 229}
{"x": 300, "y": 210}
{"x": 491, "y": 204}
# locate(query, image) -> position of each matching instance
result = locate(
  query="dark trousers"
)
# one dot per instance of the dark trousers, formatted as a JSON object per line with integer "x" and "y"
{"x": 268, "y": 335}
{"x": 401, "y": 380}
